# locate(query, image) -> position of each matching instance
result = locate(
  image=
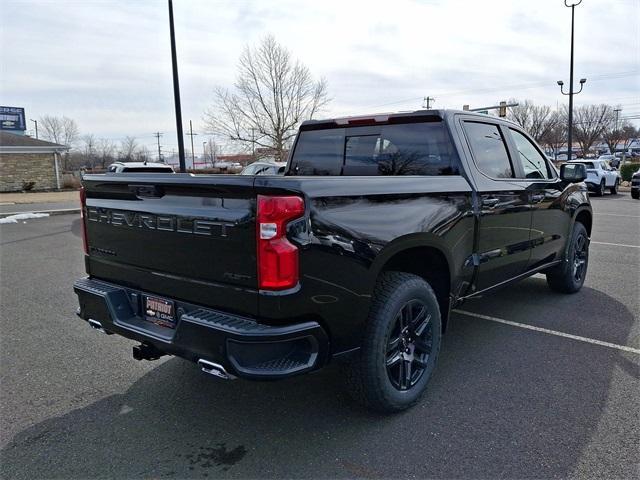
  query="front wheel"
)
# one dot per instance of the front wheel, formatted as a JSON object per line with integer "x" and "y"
{"x": 614, "y": 189}
{"x": 568, "y": 277}
{"x": 601, "y": 188}
{"x": 400, "y": 345}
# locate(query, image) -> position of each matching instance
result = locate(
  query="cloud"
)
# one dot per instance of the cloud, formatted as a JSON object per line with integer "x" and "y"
{"x": 107, "y": 63}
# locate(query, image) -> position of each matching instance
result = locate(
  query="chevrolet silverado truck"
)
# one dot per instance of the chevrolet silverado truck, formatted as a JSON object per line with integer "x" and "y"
{"x": 380, "y": 226}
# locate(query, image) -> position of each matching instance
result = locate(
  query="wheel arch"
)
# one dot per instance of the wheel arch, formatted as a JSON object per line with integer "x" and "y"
{"x": 424, "y": 258}
{"x": 584, "y": 216}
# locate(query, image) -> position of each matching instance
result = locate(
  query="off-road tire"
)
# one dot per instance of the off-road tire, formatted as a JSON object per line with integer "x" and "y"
{"x": 564, "y": 278}
{"x": 368, "y": 379}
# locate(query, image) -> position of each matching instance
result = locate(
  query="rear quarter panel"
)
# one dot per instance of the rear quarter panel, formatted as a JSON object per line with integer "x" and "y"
{"x": 355, "y": 225}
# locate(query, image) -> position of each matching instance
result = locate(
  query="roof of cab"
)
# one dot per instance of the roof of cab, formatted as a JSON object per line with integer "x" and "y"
{"x": 393, "y": 117}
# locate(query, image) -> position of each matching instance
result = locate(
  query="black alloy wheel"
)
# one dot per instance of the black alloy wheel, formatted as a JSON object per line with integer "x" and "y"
{"x": 409, "y": 345}
{"x": 580, "y": 253}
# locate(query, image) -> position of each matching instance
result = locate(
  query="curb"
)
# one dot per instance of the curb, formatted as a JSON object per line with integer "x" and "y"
{"x": 62, "y": 211}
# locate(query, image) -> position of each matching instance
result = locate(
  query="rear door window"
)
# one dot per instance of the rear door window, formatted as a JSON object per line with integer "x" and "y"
{"x": 489, "y": 149}
{"x": 422, "y": 148}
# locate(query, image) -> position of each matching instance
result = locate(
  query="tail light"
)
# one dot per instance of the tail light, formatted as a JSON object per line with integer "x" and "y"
{"x": 83, "y": 205}
{"x": 277, "y": 257}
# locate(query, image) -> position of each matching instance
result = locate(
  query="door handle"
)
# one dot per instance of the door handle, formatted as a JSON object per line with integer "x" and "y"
{"x": 490, "y": 202}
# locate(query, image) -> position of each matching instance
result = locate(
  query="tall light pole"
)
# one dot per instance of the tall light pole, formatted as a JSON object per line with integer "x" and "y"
{"x": 204, "y": 152}
{"x": 176, "y": 90}
{"x": 36, "y": 122}
{"x": 571, "y": 93}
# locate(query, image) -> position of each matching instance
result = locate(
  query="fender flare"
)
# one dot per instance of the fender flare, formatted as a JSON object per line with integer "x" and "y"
{"x": 407, "y": 242}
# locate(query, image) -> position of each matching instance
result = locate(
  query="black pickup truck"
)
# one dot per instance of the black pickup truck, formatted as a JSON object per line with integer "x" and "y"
{"x": 379, "y": 227}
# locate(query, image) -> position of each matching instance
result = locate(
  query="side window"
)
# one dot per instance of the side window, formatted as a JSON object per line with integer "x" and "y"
{"x": 489, "y": 149}
{"x": 532, "y": 161}
{"x": 319, "y": 152}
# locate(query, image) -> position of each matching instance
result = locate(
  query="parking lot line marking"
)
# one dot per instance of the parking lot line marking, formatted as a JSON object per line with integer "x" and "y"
{"x": 593, "y": 341}
{"x": 617, "y": 215}
{"x": 616, "y": 244}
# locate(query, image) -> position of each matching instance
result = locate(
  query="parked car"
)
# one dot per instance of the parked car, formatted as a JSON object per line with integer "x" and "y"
{"x": 264, "y": 168}
{"x": 635, "y": 185}
{"x": 140, "y": 167}
{"x": 612, "y": 160}
{"x": 600, "y": 176}
{"x": 380, "y": 227}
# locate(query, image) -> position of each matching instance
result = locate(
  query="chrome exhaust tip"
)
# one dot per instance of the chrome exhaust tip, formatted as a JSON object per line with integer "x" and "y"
{"x": 96, "y": 325}
{"x": 214, "y": 369}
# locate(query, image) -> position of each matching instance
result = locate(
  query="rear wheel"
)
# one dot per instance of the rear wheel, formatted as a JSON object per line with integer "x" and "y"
{"x": 614, "y": 189}
{"x": 568, "y": 277}
{"x": 635, "y": 194}
{"x": 400, "y": 346}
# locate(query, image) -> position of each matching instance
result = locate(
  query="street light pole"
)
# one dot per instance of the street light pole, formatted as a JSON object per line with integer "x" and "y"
{"x": 204, "y": 152}
{"x": 571, "y": 92}
{"x": 176, "y": 90}
{"x": 36, "y": 122}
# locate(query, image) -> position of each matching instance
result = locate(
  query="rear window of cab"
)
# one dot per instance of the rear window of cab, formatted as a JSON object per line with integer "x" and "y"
{"x": 423, "y": 148}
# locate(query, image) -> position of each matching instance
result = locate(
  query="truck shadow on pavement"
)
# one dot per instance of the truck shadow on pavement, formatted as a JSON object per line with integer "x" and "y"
{"x": 504, "y": 402}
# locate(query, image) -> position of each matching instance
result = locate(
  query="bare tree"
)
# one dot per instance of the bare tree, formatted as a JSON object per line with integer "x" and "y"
{"x": 142, "y": 154}
{"x": 89, "y": 148}
{"x": 272, "y": 94}
{"x": 62, "y": 130}
{"x": 555, "y": 137}
{"x": 590, "y": 122}
{"x": 106, "y": 150}
{"x": 537, "y": 120}
{"x": 128, "y": 148}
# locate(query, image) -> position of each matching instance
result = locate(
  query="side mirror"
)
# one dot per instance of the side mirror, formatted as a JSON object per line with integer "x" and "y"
{"x": 573, "y": 172}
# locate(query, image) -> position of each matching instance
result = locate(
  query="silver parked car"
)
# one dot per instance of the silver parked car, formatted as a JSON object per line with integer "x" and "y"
{"x": 264, "y": 168}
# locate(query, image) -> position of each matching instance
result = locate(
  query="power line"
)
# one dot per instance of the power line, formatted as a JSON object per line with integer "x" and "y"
{"x": 592, "y": 78}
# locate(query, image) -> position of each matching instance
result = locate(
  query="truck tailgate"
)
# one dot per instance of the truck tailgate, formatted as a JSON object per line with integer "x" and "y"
{"x": 187, "y": 237}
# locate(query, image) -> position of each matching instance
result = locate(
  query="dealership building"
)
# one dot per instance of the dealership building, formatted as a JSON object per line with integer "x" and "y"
{"x": 26, "y": 163}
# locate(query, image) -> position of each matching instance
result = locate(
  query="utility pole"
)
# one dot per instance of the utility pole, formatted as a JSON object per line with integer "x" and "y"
{"x": 36, "y": 122}
{"x": 176, "y": 90}
{"x": 191, "y": 134}
{"x": 158, "y": 135}
{"x": 204, "y": 152}
{"x": 427, "y": 102}
{"x": 571, "y": 93}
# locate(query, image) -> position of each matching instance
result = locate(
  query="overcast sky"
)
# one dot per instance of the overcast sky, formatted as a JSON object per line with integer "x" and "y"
{"x": 107, "y": 64}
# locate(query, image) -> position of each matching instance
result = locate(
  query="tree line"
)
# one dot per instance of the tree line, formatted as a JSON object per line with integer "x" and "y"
{"x": 591, "y": 124}
{"x": 88, "y": 150}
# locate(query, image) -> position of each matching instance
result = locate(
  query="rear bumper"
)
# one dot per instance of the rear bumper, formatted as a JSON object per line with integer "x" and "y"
{"x": 242, "y": 346}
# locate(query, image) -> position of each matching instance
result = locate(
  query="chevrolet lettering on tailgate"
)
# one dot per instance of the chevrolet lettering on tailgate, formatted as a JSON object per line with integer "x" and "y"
{"x": 166, "y": 223}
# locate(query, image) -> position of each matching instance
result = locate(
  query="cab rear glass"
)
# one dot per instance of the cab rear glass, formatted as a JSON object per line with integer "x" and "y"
{"x": 417, "y": 148}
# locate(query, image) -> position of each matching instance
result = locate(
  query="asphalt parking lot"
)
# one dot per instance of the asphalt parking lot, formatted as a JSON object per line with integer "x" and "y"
{"x": 506, "y": 401}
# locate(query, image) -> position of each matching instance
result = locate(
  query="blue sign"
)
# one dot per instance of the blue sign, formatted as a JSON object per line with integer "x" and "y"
{"x": 12, "y": 118}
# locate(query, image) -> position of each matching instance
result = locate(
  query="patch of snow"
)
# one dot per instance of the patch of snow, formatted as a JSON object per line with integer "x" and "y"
{"x": 22, "y": 216}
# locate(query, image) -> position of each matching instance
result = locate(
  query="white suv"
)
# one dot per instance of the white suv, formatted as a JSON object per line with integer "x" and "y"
{"x": 600, "y": 176}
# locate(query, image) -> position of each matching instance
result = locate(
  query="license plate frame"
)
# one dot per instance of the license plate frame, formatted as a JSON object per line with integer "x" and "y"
{"x": 158, "y": 310}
